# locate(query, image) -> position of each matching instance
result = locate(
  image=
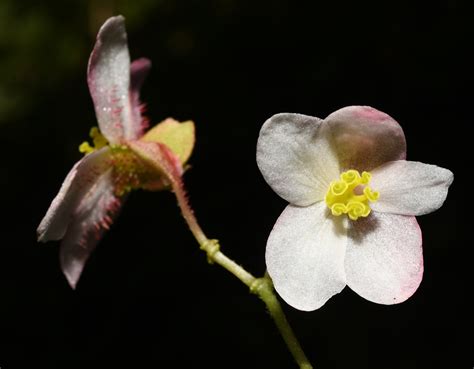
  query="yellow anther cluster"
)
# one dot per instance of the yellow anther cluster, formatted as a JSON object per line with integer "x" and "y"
{"x": 98, "y": 140}
{"x": 130, "y": 172}
{"x": 351, "y": 195}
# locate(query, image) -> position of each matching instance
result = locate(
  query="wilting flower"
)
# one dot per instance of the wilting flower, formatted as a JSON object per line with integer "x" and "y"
{"x": 119, "y": 159}
{"x": 353, "y": 201}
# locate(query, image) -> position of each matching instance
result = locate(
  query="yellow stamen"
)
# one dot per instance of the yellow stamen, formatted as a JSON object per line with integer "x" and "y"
{"x": 351, "y": 195}
{"x": 98, "y": 140}
{"x": 85, "y": 148}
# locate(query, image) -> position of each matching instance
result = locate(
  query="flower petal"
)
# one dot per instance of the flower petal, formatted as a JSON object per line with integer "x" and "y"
{"x": 178, "y": 137}
{"x": 138, "y": 72}
{"x": 305, "y": 256}
{"x": 109, "y": 82}
{"x": 77, "y": 184}
{"x": 365, "y": 138}
{"x": 295, "y": 158}
{"x": 409, "y": 187}
{"x": 92, "y": 218}
{"x": 384, "y": 258}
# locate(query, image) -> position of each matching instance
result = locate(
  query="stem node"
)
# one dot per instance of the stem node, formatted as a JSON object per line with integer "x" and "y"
{"x": 262, "y": 287}
{"x": 211, "y": 247}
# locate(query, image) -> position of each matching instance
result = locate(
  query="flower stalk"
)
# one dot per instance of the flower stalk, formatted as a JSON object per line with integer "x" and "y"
{"x": 123, "y": 158}
{"x": 262, "y": 287}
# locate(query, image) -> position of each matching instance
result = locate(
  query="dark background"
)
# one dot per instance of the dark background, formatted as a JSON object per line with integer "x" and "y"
{"x": 148, "y": 298}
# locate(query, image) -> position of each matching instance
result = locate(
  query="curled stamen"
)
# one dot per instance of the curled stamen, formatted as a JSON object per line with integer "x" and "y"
{"x": 338, "y": 188}
{"x": 338, "y": 209}
{"x": 98, "y": 140}
{"x": 371, "y": 195}
{"x": 351, "y": 195}
{"x": 350, "y": 176}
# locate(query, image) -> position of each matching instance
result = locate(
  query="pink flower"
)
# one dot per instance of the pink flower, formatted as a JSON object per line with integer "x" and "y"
{"x": 345, "y": 225}
{"x": 96, "y": 187}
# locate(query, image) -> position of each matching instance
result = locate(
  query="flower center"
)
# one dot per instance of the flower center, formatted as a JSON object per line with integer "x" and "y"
{"x": 351, "y": 195}
{"x": 131, "y": 172}
{"x": 98, "y": 140}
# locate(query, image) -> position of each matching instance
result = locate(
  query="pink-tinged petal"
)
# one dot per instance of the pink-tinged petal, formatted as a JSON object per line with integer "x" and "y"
{"x": 295, "y": 158}
{"x": 365, "y": 138}
{"x": 305, "y": 256}
{"x": 384, "y": 258}
{"x": 138, "y": 72}
{"x": 109, "y": 82}
{"x": 77, "y": 184}
{"x": 409, "y": 187}
{"x": 91, "y": 219}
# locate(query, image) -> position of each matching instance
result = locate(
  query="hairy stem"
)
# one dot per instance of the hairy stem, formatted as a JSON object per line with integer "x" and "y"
{"x": 262, "y": 287}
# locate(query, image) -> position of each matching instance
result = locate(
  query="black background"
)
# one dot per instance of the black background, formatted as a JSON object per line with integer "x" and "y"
{"x": 148, "y": 298}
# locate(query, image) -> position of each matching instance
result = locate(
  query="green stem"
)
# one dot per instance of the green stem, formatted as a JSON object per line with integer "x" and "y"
{"x": 262, "y": 287}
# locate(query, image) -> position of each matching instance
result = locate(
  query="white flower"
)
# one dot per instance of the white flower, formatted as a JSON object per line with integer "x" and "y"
{"x": 353, "y": 201}
{"x": 96, "y": 187}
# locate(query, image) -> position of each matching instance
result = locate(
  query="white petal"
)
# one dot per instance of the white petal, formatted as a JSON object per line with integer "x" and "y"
{"x": 295, "y": 158}
{"x": 364, "y": 137}
{"x": 409, "y": 187}
{"x": 305, "y": 255}
{"x": 77, "y": 184}
{"x": 384, "y": 257}
{"x": 91, "y": 219}
{"x": 108, "y": 77}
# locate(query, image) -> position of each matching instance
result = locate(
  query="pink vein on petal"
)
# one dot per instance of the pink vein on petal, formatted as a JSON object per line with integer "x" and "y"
{"x": 108, "y": 76}
{"x": 93, "y": 217}
{"x": 77, "y": 184}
